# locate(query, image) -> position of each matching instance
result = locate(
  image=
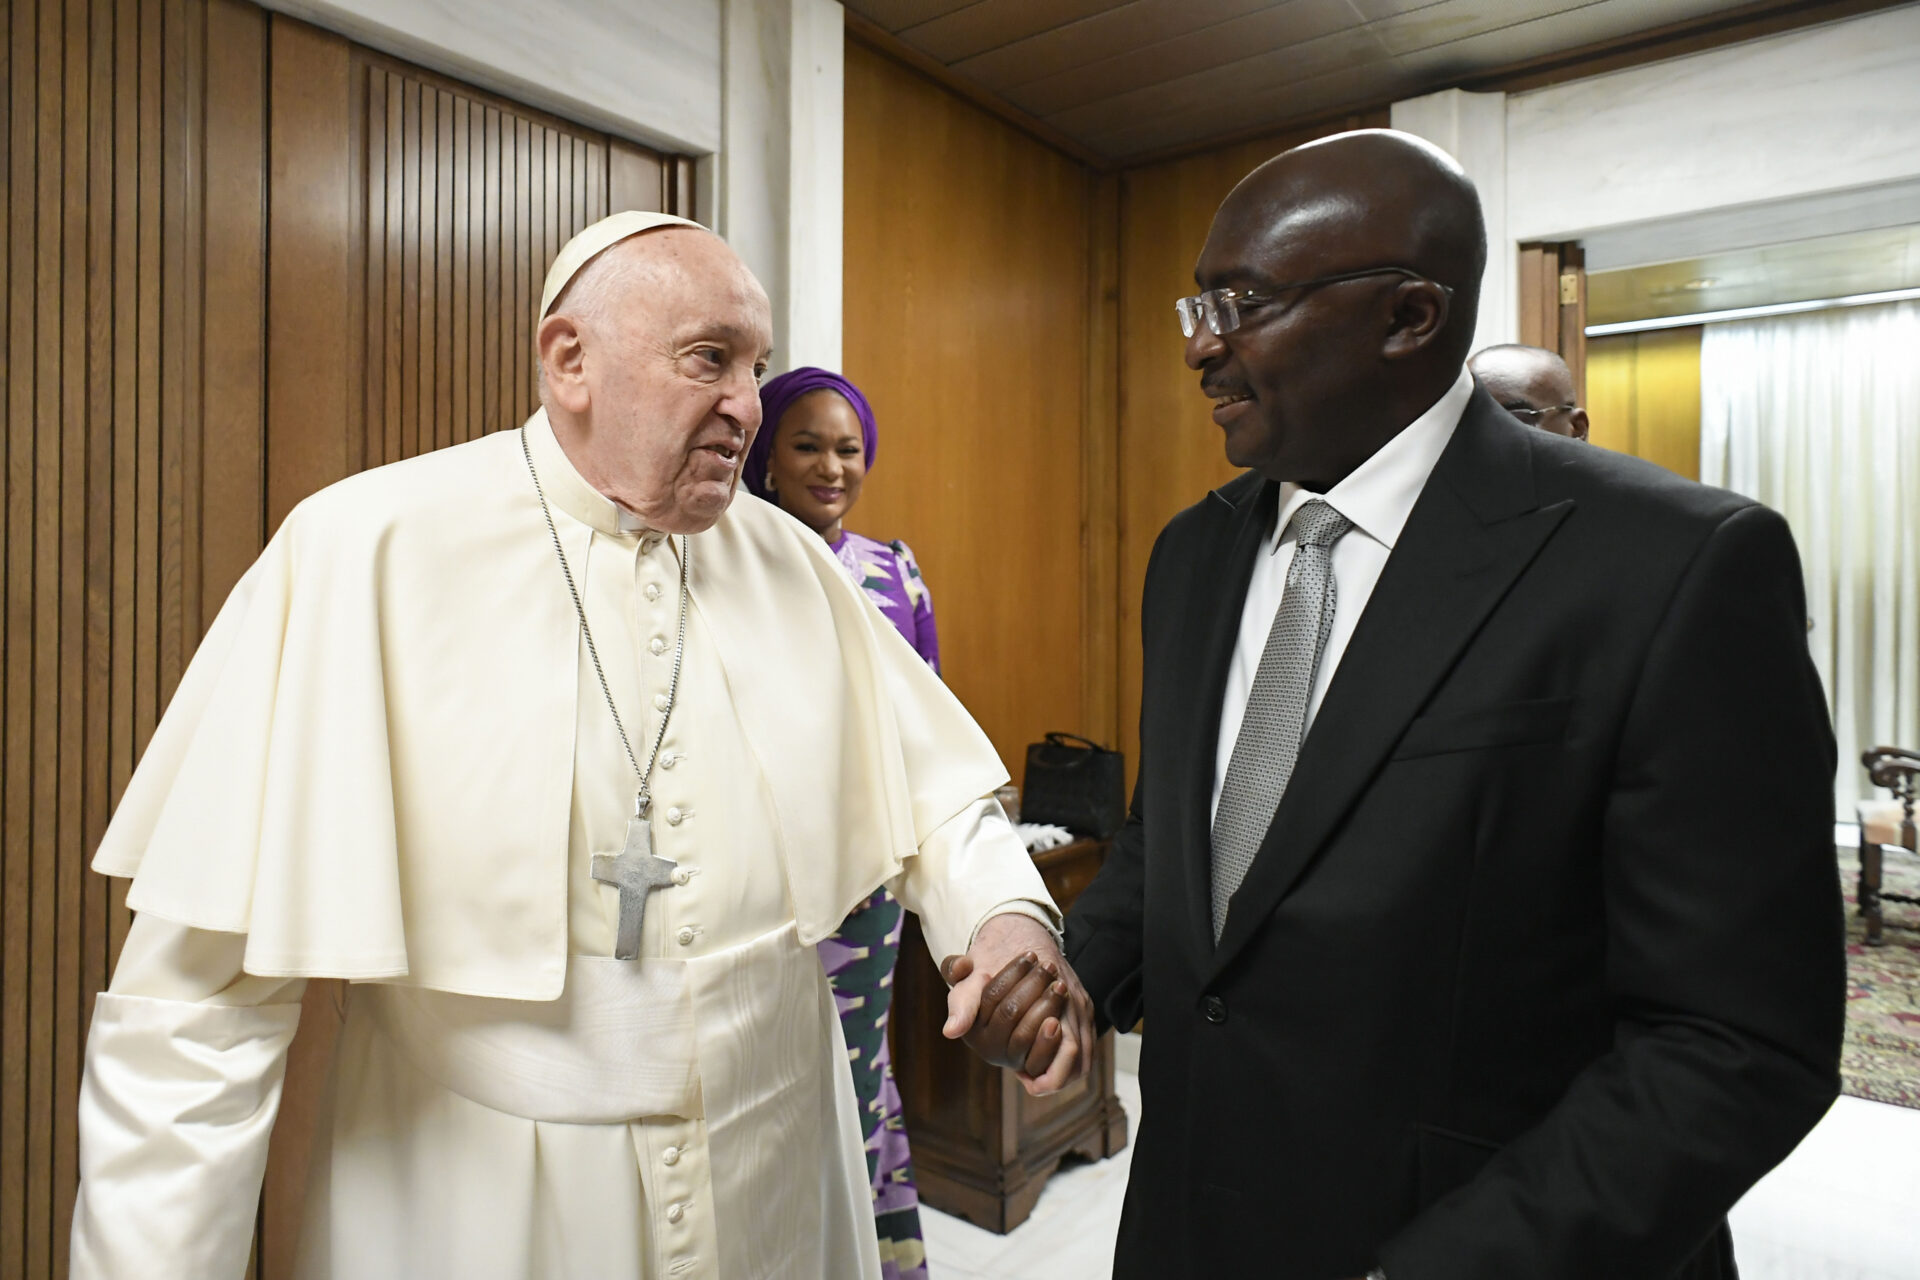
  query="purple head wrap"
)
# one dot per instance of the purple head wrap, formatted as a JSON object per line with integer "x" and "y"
{"x": 777, "y": 396}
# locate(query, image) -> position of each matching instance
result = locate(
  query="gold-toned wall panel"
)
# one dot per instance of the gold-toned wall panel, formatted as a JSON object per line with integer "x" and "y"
{"x": 967, "y": 324}
{"x": 1643, "y": 396}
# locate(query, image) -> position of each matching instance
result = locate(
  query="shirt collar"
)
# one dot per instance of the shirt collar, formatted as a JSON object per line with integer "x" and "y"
{"x": 1379, "y": 494}
{"x": 568, "y": 490}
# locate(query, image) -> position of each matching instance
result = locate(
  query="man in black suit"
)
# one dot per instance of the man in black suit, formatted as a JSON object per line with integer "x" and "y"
{"x": 1478, "y": 890}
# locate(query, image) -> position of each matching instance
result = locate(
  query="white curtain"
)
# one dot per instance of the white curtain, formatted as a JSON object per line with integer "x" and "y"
{"x": 1818, "y": 416}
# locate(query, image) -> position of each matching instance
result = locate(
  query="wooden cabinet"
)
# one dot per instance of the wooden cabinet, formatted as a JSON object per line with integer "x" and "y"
{"x": 982, "y": 1149}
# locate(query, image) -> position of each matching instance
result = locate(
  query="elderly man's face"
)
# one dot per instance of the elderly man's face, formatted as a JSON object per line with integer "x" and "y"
{"x": 664, "y": 385}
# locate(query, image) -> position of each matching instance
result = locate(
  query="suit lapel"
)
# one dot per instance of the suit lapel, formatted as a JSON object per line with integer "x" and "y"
{"x": 1474, "y": 529}
{"x": 1213, "y": 627}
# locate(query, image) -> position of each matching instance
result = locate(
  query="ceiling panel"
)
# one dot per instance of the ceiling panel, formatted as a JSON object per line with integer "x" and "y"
{"x": 1117, "y": 30}
{"x": 1274, "y": 36}
{"x": 1460, "y": 21}
{"x": 1826, "y": 267}
{"x": 897, "y": 15}
{"x": 1347, "y": 87}
{"x": 1128, "y": 78}
{"x": 989, "y": 24}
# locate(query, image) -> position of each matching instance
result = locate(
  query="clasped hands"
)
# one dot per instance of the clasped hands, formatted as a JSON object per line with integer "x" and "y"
{"x": 1016, "y": 1002}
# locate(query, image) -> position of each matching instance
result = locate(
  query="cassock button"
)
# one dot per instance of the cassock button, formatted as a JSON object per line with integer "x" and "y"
{"x": 670, "y": 1156}
{"x": 682, "y": 876}
{"x": 1214, "y": 1010}
{"x": 652, "y": 591}
{"x": 675, "y": 1212}
{"x": 669, "y": 760}
{"x": 675, "y": 816}
{"x": 657, "y": 646}
{"x": 660, "y": 702}
{"x": 684, "y": 937}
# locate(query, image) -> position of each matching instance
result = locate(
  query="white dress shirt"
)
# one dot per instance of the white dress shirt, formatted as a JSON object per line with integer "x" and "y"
{"x": 1377, "y": 498}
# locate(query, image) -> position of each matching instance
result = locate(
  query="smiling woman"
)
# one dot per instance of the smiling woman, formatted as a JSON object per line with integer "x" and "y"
{"x": 817, "y": 442}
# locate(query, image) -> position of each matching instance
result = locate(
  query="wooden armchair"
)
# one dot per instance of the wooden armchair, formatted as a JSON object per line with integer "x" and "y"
{"x": 1884, "y": 823}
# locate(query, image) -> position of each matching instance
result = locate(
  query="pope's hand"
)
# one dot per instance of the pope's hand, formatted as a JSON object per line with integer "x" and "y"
{"x": 1017, "y": 1003}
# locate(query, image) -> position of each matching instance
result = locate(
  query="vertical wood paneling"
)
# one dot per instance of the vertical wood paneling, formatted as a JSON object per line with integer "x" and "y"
{"x": 95, "y": 938}
{"x": 637, "y": 178}
{"x": 465, "y": 201}
{"x": 967, "y": 327}
{"x": 1100, "y": 469}
{"x": 312, "y": 419}
{"x": 132, "y": 388}
{"x": 233, "y": 497}
{"x": 16, "y": 1045}
{"x": 47, "y": 358}
{"x": 67, "y": 869}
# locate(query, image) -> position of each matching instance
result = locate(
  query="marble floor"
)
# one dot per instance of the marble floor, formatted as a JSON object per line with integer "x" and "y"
{"x": 1845, "y": 1206}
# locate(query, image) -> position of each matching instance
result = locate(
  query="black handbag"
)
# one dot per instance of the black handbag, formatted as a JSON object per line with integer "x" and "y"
{"x": 1074, "y": 783}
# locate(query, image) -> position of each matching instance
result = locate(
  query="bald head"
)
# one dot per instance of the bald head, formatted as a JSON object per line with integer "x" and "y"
{"x": 650, "y": 361}
{"x": 1533, "y": 384}
{"x": 1359, "y": 258}
{"x": 1374, "y": 197}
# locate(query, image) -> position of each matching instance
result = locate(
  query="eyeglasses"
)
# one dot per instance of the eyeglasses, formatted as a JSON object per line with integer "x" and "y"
{"x": 1533, "y": 417}
{"x": 1221, "y": 308}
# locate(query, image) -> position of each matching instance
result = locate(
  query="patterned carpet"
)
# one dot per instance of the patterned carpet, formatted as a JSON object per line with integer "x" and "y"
{"x": 1881, "y": 1060}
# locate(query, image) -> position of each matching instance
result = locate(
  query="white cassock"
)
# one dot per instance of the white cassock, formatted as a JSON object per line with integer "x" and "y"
{"x": 392, "y": 762}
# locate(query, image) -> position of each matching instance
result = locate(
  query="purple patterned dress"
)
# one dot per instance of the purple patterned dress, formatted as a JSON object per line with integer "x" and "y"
{"x": 859, "y": 959}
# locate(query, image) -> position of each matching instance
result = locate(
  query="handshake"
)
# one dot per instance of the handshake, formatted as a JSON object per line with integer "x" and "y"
{"x": 1015, "y": 1001}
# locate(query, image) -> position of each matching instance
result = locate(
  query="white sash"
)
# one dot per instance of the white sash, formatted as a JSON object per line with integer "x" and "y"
{"x": 616, "y": 1046}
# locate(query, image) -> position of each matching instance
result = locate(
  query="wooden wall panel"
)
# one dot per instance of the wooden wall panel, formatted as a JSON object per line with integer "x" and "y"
{"x": 967, "y": 325}
{"x": 1643, "y": 396}
{"x": 1170, "y": 452}
{"x": 463, "y": 200}
{"x": 132, "y": 380}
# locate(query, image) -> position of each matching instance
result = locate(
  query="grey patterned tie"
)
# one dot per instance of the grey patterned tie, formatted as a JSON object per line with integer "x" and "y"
{"x": 1270, "y": 734}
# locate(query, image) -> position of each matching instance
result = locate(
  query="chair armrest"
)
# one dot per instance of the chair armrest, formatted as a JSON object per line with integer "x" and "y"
{"x": 1894, "y": 768}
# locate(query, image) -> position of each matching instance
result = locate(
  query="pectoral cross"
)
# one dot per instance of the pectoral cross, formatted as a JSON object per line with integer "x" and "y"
{"x": 635, "y": 872}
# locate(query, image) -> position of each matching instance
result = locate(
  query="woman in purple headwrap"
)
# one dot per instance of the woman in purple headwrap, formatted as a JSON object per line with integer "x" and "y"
{"x": 817, "y": 441}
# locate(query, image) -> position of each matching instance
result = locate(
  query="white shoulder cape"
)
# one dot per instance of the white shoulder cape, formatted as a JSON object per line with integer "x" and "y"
{"x": 368, "y": 765}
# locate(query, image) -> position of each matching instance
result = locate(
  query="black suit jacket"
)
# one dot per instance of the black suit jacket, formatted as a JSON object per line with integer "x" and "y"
{"x": 1540, "y": 965}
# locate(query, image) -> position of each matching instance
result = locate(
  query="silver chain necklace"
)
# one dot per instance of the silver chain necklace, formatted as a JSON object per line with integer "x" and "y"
{"x": 642, "y": 801}
{"x": 635, "y": 871}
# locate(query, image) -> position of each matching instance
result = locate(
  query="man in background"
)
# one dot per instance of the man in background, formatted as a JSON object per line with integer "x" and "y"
{"x": 1534, "y": 385}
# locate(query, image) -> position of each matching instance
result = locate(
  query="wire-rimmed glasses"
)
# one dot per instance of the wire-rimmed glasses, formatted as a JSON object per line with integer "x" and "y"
{"x": 1221, "y": 309}
{"x": 1534, "y": 417}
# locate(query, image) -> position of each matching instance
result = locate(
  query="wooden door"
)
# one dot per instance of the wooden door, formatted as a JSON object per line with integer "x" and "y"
{"x": 1553, "y": 305}
{"x": 178, "y": 367}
